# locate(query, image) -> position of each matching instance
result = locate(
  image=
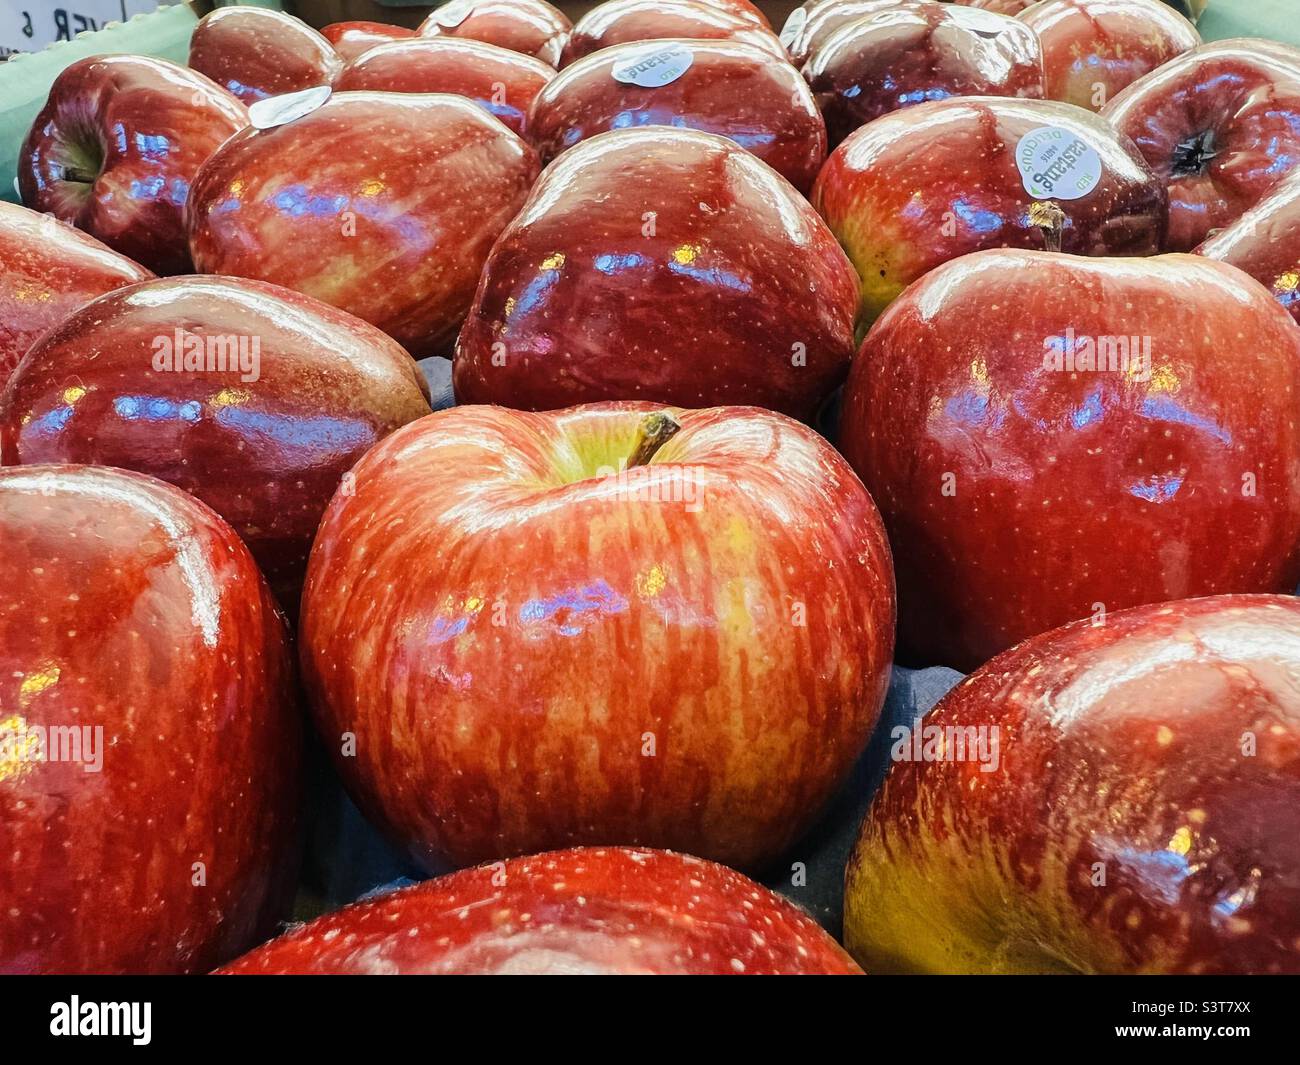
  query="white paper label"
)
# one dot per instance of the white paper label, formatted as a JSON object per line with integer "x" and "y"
{"x": 1057, "y": 164}
{"x": 793, "y": 26}
{"x": 655, "y": 67}
{"x": 278, "y": 110}
{"x": 449, "y": 16}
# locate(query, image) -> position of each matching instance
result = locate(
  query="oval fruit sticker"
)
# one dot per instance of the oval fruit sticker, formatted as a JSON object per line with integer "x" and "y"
{"x": 1057, "y": 164}
{"x": 277, "y": 110}
{"x": 655, "y": 67}
{"x": 793, "y": 25}
{"x": 449, "y": 16}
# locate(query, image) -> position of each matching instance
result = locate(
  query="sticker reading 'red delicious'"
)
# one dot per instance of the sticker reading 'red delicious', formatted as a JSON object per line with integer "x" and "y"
{"x": 1057, "y": 164}
{"x": 655, "y": 67}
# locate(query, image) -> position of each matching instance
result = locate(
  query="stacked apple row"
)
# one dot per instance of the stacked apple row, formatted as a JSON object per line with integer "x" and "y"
{"x": 624, "y": 599}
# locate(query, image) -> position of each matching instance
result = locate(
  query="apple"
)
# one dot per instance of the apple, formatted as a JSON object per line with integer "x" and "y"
{"x": 724, "y": 87}
{"x": 809, "y": 26}
{"x": 1094, "y": 49}
{"x": 49, "y": 269}
{"x": 1051, "y": 437}
{"x": 533, "y": 27}
{"x": 354, "y": 39}
{"x": 149, "y": 737}
{"x": 116, "y": 147}
{"x": 250, "y": 397}
{"x": 595, "y": 911}
{"x": 1265, "y": 242}
{"x": 903, "y": 56}
{"x": 502, "y": 81}
{"x": 998, "y": 7}
{"x": 616, "y": 623}
{"x": 255, "y": 53}
{"x": 1220, "y": 126}
{"x": 364, "y": 203}
{"x": 743, "y": 8}
{"x": 1138, "y": 816}
{"x": 624, "y": 21}
{"x": 660, "y": 264}
{"x": 920, "y": 187}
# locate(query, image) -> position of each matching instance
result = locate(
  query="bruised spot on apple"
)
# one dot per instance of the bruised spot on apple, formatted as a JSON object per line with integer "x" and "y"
{"x": 625, "y": 21}
{"x": 255, "y": 53}
{"x": 617, "y": 623}
{"x": 1139, "y": 816}
{"x": 351, "y": 40}
{"x": 149, "y": 736}
{"x": 660, "y": 264}
{"x": 530, "y": 27}
{"x": 1051, "y": 437}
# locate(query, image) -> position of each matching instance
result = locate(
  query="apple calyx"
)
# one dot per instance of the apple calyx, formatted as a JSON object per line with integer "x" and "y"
{"x": 73, "y": 173}
{"x": 1193, "y": 156}
{"x": 656, "y": 430}
{"x": 1047, "y": 216}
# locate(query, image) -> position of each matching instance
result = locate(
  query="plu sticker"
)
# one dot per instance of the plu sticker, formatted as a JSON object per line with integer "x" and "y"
{"x": 1057, "y": 164}
{"x": 287, "y": 107}
{"x": 979, "y": 21}
{"x": 793, "y": 26}
{"x": 655, "y": 67}
{"x": 449, "y": 16}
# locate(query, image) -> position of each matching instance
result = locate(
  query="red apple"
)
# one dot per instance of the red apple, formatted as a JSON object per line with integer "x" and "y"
{"x": 502, "y": 81}
{"x": 383, "y": 204}
{"x": 1220, "y": 126}
{"x": 599, "y": 912}
{"x": 624, "y": 21}
{"x": 532, "y": 27}
{"x": 49, "y": 270}
{"x": 253, "y": 398}
{"x": 116, "y": 146}
{"x": 903, "y": 56}
{"x": 809, "y": 26}
{"x": 660, "y": 264}
{"x": 1265, "y": 242}
{"x": 723, "y": 87}
{"x": 353, "y": 39}
{"x": 1094, "y": 49}
{"x": 586, "y": 626}
{"x": 920, "y": 187}
{"x": 998, "y": 7}
{"x": 149, "y": 739}
{"x": 743, "y": 8}
{"x": 1138, "y": 815}
{"x": 1050, "y": 437}
{"x": 255, "y": 53}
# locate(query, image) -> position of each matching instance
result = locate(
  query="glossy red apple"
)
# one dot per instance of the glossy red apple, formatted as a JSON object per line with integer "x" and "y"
{"x": 353, "y": 39}
{"x": 149, "y": 739}
{"x": 1220, "y": 126}
{"x": 809, "y": 26}
{"x": 255, "y": 53}
{"x": 502, "y": 81}
{"x": 1094, "y": 49}
{"x": 365, "y": 203}
{"x": 723, "y": 87}
{"x": 920, "y": 187}
{"x": 624, "y": 21}
{"x": 594, "y": 911}
{"x": 116, "y": 147}
{"x": 1139, "y": 816}
{"x": 660, "y": 264}
{"x": 532, "y": 27}
{"x": 617, "y": 623}
{"x": 903, "y": 56}
{"x": 743, "y": 8}
{"x": 49, "y": 269}
{"x": 998, "y": 7}
{"x": 1051, "y": 437}
{"x": 1265, "y": 242}
{"x": 253, "y": 398}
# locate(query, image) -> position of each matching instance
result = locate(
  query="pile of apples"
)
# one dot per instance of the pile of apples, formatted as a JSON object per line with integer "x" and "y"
{"x": 973, "y": 328}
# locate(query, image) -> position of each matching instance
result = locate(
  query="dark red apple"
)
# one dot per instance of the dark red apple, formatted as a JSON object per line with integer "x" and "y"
{"x": 903, "y": 56}
{"x": 116, "y": 147}
{"x": 624, "y": 21}
{"x": 502, "y": 81}
{"x": 354, "y": 39}
{"x": 532, "y": 27}
{"x": 599, "y": 912}
{"x": 1137, "y": 814}
{"x": 253, "y": 398}
{"x": 366, "y": 203}
{"x": 743, "y": 8}
{"x": 255, "y": 53}
{"x": 1094, "y": 49}
{"x": 617, "y": 623}
{"x": 723, "y": 87}
{"x": 49, "y": 269}
{"x": 660, "y": 264}
{"x": 1051, "y": 437}
{"x": 149, "y": 739}
{"x": 920, "y": 187}
{"x": 1220, "y": 126}
{"x": 809, "y": 26}
{"x": 1265, "y": 242}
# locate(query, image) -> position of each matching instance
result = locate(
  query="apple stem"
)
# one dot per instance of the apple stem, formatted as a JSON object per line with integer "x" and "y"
{"x": 1047, "y": 216}
{"x": 656, "y": 430}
